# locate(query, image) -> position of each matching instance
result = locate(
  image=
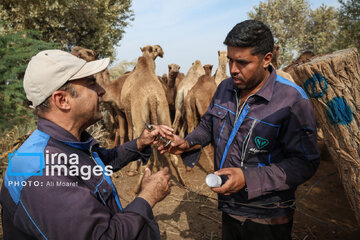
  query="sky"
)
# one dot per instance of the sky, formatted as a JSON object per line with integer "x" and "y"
{"x": 187, "y": 30}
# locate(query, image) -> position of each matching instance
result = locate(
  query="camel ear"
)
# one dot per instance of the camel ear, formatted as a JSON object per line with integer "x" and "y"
{"x": 218, "y": 53}
{"x": 169, "y": 67}
{"x": 142, "y": 49}
{"x": 150, "y": 49}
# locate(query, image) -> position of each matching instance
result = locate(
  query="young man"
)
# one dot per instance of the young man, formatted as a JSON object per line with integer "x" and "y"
{"x": 58, "y": 185}
{"x": 263, "y": 131}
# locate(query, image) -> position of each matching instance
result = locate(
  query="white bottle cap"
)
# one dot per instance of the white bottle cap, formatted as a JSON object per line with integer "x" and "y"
{"x": 213, "y": 180}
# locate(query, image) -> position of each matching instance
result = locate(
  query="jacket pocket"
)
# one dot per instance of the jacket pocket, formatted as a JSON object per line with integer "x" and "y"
{"x": 309, "y": 144}
{"x": 103, "y": 191}
{"x": 219, "y": 121}
{"x": 260, "y": 143}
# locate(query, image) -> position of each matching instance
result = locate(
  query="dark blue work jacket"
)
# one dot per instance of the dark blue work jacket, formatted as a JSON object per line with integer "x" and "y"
{"x": 272, "y": 137}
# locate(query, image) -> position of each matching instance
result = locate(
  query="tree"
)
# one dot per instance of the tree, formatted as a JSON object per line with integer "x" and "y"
{"x": 94, "y": 24}
{"x": 121, "y": 67}
{"x": 349, "y": 24}
{"x": 321, "y": 30}
{"x": 297, "y": 28}
{"x": 16, "y": 50}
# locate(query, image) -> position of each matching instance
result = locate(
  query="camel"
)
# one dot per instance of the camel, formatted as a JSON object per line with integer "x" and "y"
{"x": 303, "y": 58}
{"x": 184, "y": 87}
{"x": 164, "y": 81}
{"x": 174, "y": 78}
{"x": 143, "y": 100}
{"x": 220, "y": 73}
{"x": 288, "y": 70}
{"x": 199, "y": 97}
{"x": 196, "y": 103}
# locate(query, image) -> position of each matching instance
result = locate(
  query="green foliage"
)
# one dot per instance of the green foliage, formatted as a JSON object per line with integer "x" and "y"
{"x": 349, "y": 24}
{"x": 297, "y": 28}
{"x": 16, "y": 51}
{"x": 94, "y": 24}
{"x": 321, "y": 30}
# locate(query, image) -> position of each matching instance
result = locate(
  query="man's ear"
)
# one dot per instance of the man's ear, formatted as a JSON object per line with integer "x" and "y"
{"x": 267, "y": 59}
{"x": 61, "y": 100}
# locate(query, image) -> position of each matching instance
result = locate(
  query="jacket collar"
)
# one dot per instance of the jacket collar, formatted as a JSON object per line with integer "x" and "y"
{"x": 266, "y": 90}
{"x": 60, "y": 134}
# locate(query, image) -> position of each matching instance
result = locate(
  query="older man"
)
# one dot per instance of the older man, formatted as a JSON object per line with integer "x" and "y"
{"x": 58, "y": 185}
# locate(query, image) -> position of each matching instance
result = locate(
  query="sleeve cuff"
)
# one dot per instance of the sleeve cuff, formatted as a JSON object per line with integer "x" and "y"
{"x": 141, "y": 206}
{"x": 254, "y": 186}
{"x": 191, "y": 158}
{"x": 144, "y": 154}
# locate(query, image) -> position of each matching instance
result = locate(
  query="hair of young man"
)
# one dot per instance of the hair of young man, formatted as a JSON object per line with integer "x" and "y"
{"x": 45, "y": 105}
{"x": 251, "y": 33}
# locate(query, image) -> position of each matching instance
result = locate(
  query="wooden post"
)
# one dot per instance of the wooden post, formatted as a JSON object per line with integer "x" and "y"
{"x": 332, "y": 83}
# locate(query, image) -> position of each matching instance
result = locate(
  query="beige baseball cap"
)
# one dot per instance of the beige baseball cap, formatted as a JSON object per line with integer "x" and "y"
{"x": 48, "y": 70}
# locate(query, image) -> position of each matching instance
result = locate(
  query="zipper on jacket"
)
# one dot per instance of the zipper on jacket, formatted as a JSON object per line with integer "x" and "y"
{"x": 246, "y": 143}
{"x": 238, "y": 112}
{"x": 91, "y": 155}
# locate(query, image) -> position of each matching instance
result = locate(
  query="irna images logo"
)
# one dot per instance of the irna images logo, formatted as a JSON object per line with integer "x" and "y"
{"x": 55, "y": 164}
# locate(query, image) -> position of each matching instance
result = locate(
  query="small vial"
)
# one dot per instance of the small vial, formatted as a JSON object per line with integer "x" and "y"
{"x": 213, "y": 180}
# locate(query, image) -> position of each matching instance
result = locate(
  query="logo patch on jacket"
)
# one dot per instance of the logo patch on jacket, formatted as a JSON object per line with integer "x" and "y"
{"x": 261, "y": 142}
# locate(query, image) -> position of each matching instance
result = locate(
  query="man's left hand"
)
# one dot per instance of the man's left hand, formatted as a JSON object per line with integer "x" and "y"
{"x": 235, "y": 182}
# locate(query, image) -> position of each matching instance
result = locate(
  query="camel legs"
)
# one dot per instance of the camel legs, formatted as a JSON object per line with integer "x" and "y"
{"x": 176, "y": 123}
{"x": 153, "y": 165}
{"x": 134, "y": 166}
{"x": 174, "y": 160}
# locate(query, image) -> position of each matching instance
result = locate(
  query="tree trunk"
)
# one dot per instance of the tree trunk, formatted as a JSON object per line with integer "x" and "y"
{"x": 332, "y": 83}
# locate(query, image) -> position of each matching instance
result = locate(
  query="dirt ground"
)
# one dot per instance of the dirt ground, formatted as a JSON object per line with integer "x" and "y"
{"x": 322, "y": 211}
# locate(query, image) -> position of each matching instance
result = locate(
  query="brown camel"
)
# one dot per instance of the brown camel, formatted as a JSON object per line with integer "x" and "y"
{"x": 220, "y": 73}
{"x": 303, "y": 58}
{"x": 164, "y": 81}
{"x": 174, "y": 78}
{"x": 142, "y": 99}
{"x": 199, "y": 97}
{"x": 184, "y": 87}
{"x": 196, "y": 103}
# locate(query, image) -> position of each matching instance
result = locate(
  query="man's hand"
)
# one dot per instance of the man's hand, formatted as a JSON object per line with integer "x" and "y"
{"x": 148, "y": 137}
{"x": 155, "y": 187}
{"x": 178, "y": 145}
{"x": 235, "y": 182}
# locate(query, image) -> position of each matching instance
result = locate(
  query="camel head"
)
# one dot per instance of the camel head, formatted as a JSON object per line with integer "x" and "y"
{"x": 90, "y": 55}
{"x": 196, "y": 64}
{"x": 305, "y": 56}
{"x": 222, "y": 56}
{"x": 208, "y": 69}
{"x": 84, "y": 53}
{"x": 174, "y": 70}
{"x": 153, "y": 51}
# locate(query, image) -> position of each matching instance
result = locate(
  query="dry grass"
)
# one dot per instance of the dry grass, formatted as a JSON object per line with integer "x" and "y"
{"x": 99, "y": 132}
{"x": 11, "y": 140}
